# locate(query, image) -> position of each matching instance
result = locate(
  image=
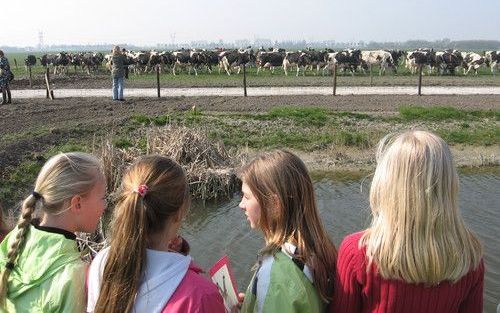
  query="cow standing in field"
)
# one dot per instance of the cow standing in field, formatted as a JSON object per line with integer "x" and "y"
{"x": 294, "y": 59}
{"x": 448, "y": 61}
{"x": 381, "y": 58}
{"x": 29, "y": 61}
{"x": 473, "y": 61}
{"x": 269, "y": 60}
{"x": 346, "y": 60}
{"x": 235, "y": 59}
{"x": 421, "y": 57}
{"x": 211, "y": 58}
{"x": 91, "y": 61}
{"x": 492, "y": 60}
{"x": 315, "y": 59}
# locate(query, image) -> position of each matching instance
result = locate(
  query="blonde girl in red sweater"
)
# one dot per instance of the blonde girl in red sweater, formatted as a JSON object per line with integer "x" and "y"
{"x": 417, "y": 255}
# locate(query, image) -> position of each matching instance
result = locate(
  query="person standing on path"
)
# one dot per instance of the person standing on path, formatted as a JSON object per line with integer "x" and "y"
{"x": 5, "y": 78}
{"x": 118, "y": 73}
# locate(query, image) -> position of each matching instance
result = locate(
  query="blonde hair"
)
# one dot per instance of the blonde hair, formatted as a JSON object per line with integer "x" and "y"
{"x": 280, "y": 182}
{"x": 62, "y": 177}
{"x": 135, "y": 218}
{"x": 417, "y": 233}
{"x": 116, "y": 50}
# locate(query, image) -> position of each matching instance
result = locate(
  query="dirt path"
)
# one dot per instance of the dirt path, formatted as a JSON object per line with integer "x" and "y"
{"x": 32, "y": 114}
{"x": 259, "y": 91}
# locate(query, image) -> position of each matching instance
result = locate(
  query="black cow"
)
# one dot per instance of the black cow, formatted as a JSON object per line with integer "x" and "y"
{"x": 269, "y": 60}
{"x": 30, "y": 60}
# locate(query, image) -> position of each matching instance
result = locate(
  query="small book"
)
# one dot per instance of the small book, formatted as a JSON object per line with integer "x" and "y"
{"x": 222, "y": 275}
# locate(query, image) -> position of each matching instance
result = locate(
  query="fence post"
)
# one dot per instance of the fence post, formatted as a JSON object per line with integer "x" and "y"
{"x": 420, "y": 80}
{"x": 31, "y": 77}
{"x": 158, "y": 79}
{"x": 334, "y": 79}
{"x": 49, "y": 92}
{"x": 371, "y": 76}
{"x": 15, "y": 62}
{"x": 244, "y": 80}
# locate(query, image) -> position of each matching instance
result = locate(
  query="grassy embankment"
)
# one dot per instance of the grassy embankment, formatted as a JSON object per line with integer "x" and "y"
{"x": 349, "y": 136}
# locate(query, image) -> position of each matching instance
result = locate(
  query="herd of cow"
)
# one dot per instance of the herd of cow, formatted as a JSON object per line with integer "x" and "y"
{"x": 317, "y": 61}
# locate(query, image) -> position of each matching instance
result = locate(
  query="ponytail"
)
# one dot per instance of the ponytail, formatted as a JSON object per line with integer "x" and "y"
{"x": 28, "y": 208}
{"x": 153, "y": 190}
{"x": 126, "y": 258}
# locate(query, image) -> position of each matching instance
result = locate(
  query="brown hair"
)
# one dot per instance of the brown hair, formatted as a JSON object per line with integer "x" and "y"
{"x": 283, "y": 188}
{"x": 62, "y": 177}
{"x": 135, "y": 218}
{"x": 1, "y": 53}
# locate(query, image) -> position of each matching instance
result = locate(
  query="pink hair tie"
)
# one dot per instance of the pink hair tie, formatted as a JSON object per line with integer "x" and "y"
{"x": 142, "y": 190}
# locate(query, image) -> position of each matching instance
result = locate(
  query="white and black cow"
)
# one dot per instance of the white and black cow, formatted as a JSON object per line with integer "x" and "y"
{"x": 473, "y": 61}
{"x": 235, "y": 59}
{"x": 192, "y": 59}
{"x": 419, "y": 58}
{"x": 346, "y": 60}
{"x": 380, "y": 58}
{"x": 492, "y": 60}
{"x": 271, "y": 60}
{"x": 448, "y": 61}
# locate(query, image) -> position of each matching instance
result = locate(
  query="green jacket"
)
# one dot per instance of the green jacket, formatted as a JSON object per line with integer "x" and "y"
{"x": 280, "y": 285}
{"x": 118, "y": 65}
{"x": 49, "y": 275}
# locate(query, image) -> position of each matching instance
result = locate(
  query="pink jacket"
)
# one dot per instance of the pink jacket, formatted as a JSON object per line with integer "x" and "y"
{"x": 195, "y": 293}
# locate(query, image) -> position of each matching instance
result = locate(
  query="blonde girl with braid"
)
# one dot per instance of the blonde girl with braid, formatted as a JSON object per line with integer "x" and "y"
{"x": 140, "y": 271}
{"x": 40, "y": 264}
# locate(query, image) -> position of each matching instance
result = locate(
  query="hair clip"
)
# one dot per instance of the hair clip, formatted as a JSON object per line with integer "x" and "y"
{"x": 142, "y": 190}
{"x": 36, "y": 195}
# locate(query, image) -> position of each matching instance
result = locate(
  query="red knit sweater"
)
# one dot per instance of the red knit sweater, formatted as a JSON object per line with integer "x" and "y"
{"x": 359, "y": 291}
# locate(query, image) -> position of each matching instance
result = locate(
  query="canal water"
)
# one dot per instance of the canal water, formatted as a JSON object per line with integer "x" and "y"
{"x": 218, "y": 229}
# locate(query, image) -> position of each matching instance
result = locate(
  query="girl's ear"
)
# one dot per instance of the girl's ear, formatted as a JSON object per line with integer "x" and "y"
{"x": 179, "y": 215}
{"x": 76, "y": 204}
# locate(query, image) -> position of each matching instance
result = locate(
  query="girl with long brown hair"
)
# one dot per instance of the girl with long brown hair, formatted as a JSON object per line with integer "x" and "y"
{"x": 296, "y": 267}
{"x": 418, "y": 255}
{"x": 140, "y": 272}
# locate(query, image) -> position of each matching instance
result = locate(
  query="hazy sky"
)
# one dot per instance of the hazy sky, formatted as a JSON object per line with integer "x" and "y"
{"x": 148, "y": 22}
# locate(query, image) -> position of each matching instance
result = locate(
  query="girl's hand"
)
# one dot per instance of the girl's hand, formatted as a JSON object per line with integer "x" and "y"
{"x": 236, "y": 308}
{"x": 180, "y": 245}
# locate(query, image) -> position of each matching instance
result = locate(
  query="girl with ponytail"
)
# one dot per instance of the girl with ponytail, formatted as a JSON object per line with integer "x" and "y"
{"x": 140, "y": 271}
{"x": 40, "y": 266}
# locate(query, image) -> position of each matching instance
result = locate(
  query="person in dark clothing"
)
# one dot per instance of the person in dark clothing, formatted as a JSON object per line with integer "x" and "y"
{"x": 5, "y": 78}
{"x": 118, "y": 73}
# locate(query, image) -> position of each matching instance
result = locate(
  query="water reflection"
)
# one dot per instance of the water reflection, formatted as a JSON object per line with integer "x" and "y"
{"x": 219, "y": 229}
